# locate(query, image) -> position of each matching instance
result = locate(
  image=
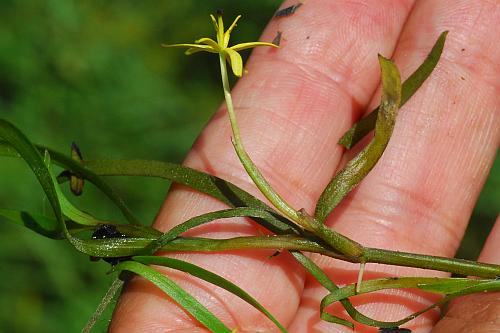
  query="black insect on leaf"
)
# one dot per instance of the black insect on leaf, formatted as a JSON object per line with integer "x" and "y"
{"x": 394, "y": 330}
{"x": 106, "y": 231}
{"x": 287, "y": 11}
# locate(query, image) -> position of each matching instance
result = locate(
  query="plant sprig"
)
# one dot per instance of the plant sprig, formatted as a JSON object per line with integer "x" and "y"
{"x": 294, "y": 230}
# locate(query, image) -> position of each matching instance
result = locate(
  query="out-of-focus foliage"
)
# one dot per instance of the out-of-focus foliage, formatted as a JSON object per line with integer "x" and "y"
{"x": 93, "y": 72}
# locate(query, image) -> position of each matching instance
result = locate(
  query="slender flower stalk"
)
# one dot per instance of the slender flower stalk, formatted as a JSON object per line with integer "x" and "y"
{"x": 230, "y": 55}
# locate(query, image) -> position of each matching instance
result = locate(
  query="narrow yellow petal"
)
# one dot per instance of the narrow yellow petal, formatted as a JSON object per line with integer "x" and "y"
{"x": 204, "y": 48}
{"x": 220, "y": 31}
{"x": 192, "y": 48}
{"x": 227, "y": 34}
{"x": 214, "y": 22}
{"x": 208, "y": 41}
{"x": 183, "y": 45}
{"x": 244, "y": 46}
{"x": 235, "y": 61}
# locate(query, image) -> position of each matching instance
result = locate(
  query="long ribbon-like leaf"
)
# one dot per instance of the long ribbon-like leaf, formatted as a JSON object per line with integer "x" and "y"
{"x": 30, "y": 154}
{"x": 409, "y": 87}
{"x": 202, "y": 219}
{"x": 38, "y": 223}
{"x": 205, "y": 183}
{"x": 26, "y": 150}
{"x": 108, "y": 298}
{"x": 325, "y": 281}
{"x": 176, "y": 293}
{"x": 359, "y": 166}
{"x": 451, "y": 287}
{"x": 66, "y": 162}
{"x": 209, "y": 277}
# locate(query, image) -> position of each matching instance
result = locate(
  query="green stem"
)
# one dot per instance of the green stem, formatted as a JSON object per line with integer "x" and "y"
{"x": 248, "y": 242}
{"x": 131, "y": 246}
{"x": 337, "y": 241}
{"x": 455, "y": 266}
{"x": 254, "y": 173}
{"x": 370, "y": 255}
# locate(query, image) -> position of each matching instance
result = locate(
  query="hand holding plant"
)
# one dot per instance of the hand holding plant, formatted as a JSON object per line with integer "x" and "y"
{"x": 292, "y": 108}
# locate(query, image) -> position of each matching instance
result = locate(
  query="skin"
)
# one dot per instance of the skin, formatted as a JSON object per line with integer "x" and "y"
{"x": 292, "y": 107}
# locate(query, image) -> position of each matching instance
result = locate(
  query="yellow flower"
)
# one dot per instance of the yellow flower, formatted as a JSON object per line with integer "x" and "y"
{"x": 230, "y": 54}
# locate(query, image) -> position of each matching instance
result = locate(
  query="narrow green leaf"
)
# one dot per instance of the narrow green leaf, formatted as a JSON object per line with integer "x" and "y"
{"x": 409, "y": 87}
{"x": 209, "y": 277}
{"x": 325, "y": 281}
{"x": 144, "y": 240}
{"x": 216, "y": 187}
{"x": 205, "y": 183}
{"x": 357, "y": 168}
{"x": 70, "y": 211}
{"x": 48, "y": 227}
{"x": 110, "y": 297}
{"x": 68, "y": 163}
{"x": 177, "y": 294}
{"x": 452, "y": 287}
{"x": 202, "y": 219}
{"x": 67, "y": 208}
{"x": 30, "y": 154}
{"x": 32, "y": 157}
{"x": 38, "y": 223}
{"x": 424, "y": 283}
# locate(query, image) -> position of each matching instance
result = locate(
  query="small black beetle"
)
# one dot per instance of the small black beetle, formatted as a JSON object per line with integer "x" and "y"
{"x": 105, "y": 231}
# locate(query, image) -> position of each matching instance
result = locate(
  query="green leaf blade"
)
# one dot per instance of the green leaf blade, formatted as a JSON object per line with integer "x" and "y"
{"x": 70, "y": 164}
{"x": 357, "y": 168}
{"x": 211, "y": 278}
{"x": 13, "y": 136}
{"x": 218, "y": 188}
{"x": 450, "y": 287}
{"x": 202, "y": 219}
{"x": 38, "y": 223}
{"x": 177, "y": 294}
{"x": 410, "y": 86}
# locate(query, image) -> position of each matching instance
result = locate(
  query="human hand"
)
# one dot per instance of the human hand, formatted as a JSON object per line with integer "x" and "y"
{"x": 292, "y": 107}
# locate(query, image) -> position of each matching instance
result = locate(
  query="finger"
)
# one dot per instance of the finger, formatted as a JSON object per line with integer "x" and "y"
{"x": 421, "y": 193}
{"x": 325, "y": 71}
{"x": 478, "y": 312}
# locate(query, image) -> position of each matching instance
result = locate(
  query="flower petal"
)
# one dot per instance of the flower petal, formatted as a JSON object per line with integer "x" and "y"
{"x": 208, "y": 41}
{"x": 227, "y": 34}
{"x": 192, "y": 48}
{"x": 184, "y": 45}
{"x": 244, "y": 46}
{"x": 214, "y": 22}
{"x": 236, "y": 62}
{"x": 200, "y": 48}
{"x": 220, "y": 28}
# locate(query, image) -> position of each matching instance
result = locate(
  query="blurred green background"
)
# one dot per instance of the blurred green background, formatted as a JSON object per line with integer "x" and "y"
{"x": 93, "y": 72}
